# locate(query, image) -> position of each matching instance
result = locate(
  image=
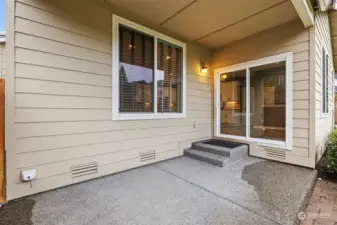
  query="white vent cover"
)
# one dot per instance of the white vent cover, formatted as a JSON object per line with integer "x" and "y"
{"x": 149, "y": 155}
{"x": 275, "y": 153}
{"x": 83, "y": 170}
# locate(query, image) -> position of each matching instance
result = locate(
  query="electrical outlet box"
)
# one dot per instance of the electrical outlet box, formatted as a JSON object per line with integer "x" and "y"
{"x": 28, "y": 175}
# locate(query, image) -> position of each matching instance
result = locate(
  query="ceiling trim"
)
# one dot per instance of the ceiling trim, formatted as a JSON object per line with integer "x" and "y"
{"x": 239, "y": 21}
{"x": 178, "y": 12}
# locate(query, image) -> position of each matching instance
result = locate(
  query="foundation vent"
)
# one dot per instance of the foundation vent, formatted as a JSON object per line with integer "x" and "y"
{"x": 83, "y": 170}
{"x": 145, "y": 156}
{"x": 275, "y": 153}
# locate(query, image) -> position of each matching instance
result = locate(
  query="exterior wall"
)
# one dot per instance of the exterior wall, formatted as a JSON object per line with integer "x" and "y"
{"x": 290, "y": 37}
{"x": 2, "y": 60}
{"x": 63, "y": 99}
{"x": 324, "y": 123}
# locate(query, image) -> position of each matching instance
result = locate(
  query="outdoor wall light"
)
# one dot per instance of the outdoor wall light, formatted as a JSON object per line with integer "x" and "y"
{"x": 204, "y": 69}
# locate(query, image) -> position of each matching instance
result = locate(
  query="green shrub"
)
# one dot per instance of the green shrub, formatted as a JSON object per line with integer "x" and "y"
{"x": 332, "y": 152}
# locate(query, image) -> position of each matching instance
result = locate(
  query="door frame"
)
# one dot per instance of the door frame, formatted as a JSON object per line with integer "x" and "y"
{"x": 2, "y": 142}
{"x": 288, "y": 58}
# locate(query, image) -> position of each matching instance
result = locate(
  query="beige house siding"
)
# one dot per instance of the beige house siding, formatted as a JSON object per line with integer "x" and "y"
{"x": 290, "y": 37}
{"x": 2, "y": 60}
{"x": 324, "y": 123}
{"x": 63, "y": 100}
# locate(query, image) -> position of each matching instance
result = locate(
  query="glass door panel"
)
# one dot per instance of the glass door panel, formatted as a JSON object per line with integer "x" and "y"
{"x": 233, "y": 103}
{"x": 268, "y": 117}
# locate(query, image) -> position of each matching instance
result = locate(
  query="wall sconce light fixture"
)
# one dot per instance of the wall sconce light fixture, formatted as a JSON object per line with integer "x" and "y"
{"x": 204, "y": 69}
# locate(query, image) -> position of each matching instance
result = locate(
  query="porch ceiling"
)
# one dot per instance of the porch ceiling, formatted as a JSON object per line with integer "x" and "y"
{"x": 212, "y": 23}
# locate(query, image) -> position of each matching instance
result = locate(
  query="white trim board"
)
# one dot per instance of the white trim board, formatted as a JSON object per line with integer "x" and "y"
{"x": 288, "y": 58}
{"x": 116, "y": 115}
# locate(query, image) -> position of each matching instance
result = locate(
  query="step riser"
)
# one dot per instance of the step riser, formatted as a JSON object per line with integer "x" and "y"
{"x": 210, "y": 150}
{"x": 204, "y": 159}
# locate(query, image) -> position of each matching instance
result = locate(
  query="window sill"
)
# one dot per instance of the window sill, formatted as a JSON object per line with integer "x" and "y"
{"x": 130, "y": 116}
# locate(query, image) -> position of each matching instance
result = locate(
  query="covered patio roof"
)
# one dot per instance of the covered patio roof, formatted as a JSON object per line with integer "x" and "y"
{"x": 211, "y": 23}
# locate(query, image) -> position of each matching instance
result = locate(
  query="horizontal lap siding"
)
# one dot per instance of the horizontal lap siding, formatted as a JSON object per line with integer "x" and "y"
{"x": 291, "y": 37}
{"x": 323, "y": 122}
{"x": 63, "y": 99}
{"x": 2, "y": 60}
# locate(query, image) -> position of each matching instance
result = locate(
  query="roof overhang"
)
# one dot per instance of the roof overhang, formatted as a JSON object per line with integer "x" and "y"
{"x": 305, "y": 11}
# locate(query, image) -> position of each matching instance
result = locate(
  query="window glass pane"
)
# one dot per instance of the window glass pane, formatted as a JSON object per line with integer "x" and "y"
{"x": 169, "y": 77}
{"x": 233, "y": 103}
{"x": 268, "y": 119}
{"x": 323, "y": 82}
{"x": 136, "y": 71}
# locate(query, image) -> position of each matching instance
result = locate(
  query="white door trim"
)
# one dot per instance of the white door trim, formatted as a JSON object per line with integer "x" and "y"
{"x": 288, "y": 58}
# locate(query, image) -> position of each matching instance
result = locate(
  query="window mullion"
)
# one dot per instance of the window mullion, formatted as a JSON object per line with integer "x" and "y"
{"x": 170, "y": 77}
{"x": 155, "y": 91}
{"x": 247, "y": 103}
{"x": 163, "y": 83}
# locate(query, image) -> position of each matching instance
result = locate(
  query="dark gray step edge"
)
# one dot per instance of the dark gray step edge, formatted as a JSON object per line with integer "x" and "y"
{"x": 216, "y": 162}
{"x": 233, "y": 153}
{"x": 211, "y": 149}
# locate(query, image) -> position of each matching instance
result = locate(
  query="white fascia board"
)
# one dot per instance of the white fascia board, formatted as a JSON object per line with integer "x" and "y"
{"x": 304, "y": 11}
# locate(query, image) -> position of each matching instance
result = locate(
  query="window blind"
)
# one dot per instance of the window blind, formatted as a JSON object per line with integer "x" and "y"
{"x": 136, "y": 71}
{"x": 169, "y": 77}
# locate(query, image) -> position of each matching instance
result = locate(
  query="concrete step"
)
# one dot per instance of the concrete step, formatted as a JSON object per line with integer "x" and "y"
{"x": 232, "y": 153}
{"x": 207, "y": 157}
{"x": 211, "y": 149}
{"x": 216, "y": 154}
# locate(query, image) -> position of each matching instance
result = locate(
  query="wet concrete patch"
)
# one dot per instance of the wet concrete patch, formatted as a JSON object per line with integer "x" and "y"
{"x": 17, "y": 212}
{"x": 281, "y": 188}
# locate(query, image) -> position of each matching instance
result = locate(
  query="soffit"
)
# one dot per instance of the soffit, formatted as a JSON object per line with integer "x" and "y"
{"x": 156, "y": 11}
{"x": 212, "y": 23}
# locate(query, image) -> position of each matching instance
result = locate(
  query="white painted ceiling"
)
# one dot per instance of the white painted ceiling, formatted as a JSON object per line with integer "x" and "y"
{"x": 212, "y": 23}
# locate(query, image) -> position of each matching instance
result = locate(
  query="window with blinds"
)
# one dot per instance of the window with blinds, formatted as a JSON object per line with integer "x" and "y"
{"x": 136, "y": 71}
{"x": 148, "y": 73}
{"x": 169, "y": 79}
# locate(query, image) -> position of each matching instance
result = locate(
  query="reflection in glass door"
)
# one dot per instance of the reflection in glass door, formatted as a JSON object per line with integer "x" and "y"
{"x": 269, "y": 118}
{"x": 233, "y": 103}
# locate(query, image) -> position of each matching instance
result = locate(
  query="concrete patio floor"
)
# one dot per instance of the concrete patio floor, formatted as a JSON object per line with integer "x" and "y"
{"x": 177, "y": 191}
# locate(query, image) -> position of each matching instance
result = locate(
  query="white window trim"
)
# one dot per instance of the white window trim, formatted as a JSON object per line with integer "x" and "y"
{"x": 324, "y": 114}
{"x": 116, "y": 115}
{"x": 288, "y": 58}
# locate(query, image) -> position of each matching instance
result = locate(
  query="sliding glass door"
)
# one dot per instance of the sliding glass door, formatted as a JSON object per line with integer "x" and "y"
{"x": 254, "y": 100}
{"x": 268, "y": 119}
{"x": 233, "y": 101}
